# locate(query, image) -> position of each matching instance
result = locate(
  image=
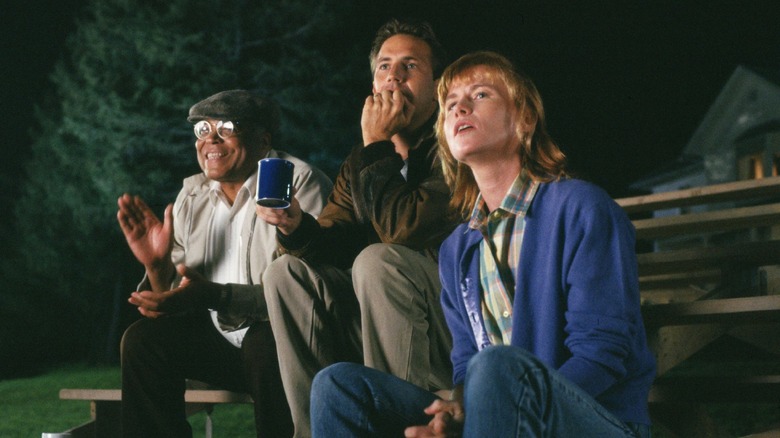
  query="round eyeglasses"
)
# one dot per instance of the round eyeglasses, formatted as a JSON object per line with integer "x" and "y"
{"x": 224, "y": 129}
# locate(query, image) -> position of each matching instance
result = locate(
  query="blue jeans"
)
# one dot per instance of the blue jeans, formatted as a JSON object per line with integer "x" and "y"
{"x": 507, "y": 393}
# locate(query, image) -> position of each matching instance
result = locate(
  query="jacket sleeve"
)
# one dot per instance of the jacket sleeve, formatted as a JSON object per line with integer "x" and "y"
{"x": 372, "y": 202}
{"x": 312, "y": 188}
{"x": 602, "y": 315}
{"x": 335, "y": 236}
{"x": 246, "y": 306}
{"x": 247, "y": 303}
{"x": 409, "y": 211}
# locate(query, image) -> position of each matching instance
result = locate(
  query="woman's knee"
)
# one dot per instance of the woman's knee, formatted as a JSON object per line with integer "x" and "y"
{"x": 333, "y": 380}
{"x": 501, "y": 362}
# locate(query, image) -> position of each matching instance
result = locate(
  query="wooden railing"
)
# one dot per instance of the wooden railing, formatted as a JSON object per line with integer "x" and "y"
{"x": 709, "y": 269}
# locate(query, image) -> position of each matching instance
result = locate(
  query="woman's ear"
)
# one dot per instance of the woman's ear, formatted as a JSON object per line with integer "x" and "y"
{"x": 526, "y": 125}
{"x": 529, "y": 122}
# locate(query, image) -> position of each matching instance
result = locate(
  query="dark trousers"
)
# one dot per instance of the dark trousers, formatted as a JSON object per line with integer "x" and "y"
{"x": 159, "y": 354}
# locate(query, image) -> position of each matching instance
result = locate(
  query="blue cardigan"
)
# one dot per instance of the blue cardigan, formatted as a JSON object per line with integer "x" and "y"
{"x": 576, "y": 304}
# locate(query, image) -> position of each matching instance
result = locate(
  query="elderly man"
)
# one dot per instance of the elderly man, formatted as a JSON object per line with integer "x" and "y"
{"x": 203, "y": 291}
{"x": 360, "y": 283}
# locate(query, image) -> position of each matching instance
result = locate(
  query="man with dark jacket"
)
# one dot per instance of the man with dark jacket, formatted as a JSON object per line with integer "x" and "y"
{"x": 360, "y": 283}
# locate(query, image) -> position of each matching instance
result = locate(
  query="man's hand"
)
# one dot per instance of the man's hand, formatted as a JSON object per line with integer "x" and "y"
{"x": 448, "y": 418}
{"x": 287, "y": 220}
{"x": 150, "y": 240}
{"x": 384, "y": 115}
{"x": 193, "y": 292}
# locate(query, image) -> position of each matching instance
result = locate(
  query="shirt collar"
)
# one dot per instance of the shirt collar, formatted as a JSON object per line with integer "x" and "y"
{"x": 247, "y": 190}
{"x": 516, "y": 201}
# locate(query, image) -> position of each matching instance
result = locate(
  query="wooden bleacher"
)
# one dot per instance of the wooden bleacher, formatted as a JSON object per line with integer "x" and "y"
{"x": 708, "y": 267}
{"x": 105, "y": 407}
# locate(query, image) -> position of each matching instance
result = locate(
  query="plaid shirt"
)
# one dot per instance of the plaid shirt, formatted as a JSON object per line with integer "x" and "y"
{"x": 500, "y": 254}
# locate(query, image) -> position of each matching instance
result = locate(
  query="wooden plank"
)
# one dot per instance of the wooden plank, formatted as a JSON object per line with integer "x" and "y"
{"x": 708, "y": 222}
{"x": 106, "y": 404}
{"x": 91, "y": 394}
{"x": 215, "y": 396}
{"x": 699, "y": 259}
{"x": 677, "y": 330}
{"x": 190, "y": 396}
{"x": 731, "y": 191}
{"x": 723, "y": 311}
{"x": 672, "y": 345}
{"x": 666, "y": 296}
{"x": 678, "y": 279}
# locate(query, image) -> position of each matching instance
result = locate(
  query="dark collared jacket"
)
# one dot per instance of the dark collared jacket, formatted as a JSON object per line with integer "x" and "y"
{"x": 371, "y": 202}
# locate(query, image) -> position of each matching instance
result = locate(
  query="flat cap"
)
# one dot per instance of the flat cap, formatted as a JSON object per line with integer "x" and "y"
{"x": 238, "y": 106}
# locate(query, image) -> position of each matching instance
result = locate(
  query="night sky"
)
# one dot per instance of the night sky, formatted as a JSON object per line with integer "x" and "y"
{"x": 624, "y": 83}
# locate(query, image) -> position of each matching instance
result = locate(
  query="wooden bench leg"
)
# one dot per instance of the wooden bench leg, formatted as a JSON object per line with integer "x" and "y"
{"x": 106, "y": 406}
{"x": 209, "y": 424}
{"x": 207, "y": 408}
{"x": 106, "y": 420}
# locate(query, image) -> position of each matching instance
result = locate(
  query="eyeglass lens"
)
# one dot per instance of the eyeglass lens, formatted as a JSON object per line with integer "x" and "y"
{"x": 224, "y": 129}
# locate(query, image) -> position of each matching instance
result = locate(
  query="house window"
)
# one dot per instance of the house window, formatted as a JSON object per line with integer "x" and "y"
{"x": 757, "y": 167}
{"x": 752, "y": 166}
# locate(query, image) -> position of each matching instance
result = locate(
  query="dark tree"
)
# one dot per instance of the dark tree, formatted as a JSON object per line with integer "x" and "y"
{"x": 116, "y": 122}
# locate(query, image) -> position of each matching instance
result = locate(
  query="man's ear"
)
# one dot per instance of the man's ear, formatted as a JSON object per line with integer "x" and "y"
{"x": 266, "y": 141}
{"x": 436, "y": 90}
{"x": 262, "y": 142}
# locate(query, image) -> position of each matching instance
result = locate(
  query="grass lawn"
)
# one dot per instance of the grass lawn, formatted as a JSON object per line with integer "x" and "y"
{"x": 31, "y": 406}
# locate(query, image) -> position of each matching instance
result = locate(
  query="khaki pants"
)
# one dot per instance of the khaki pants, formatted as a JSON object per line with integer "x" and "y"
{"x": 391, "y": 320}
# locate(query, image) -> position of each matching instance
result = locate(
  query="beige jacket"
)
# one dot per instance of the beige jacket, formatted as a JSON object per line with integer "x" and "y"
{"x": 192, "y": 214}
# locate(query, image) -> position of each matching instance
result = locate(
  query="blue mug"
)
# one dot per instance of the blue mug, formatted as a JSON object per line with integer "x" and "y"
{"x": 274, "y": 183}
